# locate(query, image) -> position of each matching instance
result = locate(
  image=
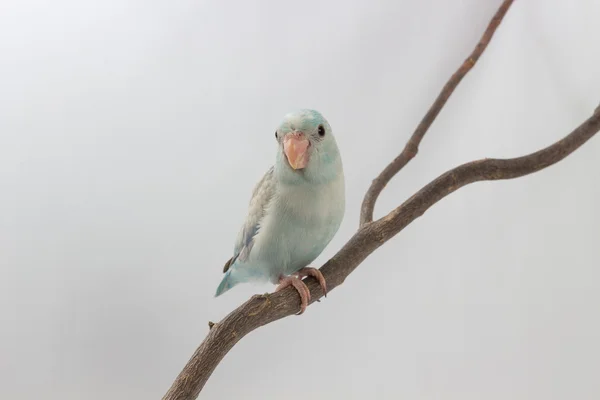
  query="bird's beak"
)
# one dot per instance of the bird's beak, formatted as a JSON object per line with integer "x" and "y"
{"x": 295, "y": 147}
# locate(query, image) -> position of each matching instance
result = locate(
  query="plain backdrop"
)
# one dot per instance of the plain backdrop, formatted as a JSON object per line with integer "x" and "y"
{"x": 131, "y": 136}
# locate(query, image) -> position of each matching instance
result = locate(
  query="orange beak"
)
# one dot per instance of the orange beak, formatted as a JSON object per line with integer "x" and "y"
{"x": 295, "y": 146}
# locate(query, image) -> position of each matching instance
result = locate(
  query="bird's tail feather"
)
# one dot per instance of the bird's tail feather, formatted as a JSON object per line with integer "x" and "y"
{"x": 227, "y": 283}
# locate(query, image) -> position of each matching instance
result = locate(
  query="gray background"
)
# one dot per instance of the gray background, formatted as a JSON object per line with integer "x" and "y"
{"x": 132, "y": 133}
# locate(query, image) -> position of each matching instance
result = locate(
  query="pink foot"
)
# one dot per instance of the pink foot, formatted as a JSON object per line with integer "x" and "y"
{"x": 301, "y": 288}
{"x": 307, "y": 271}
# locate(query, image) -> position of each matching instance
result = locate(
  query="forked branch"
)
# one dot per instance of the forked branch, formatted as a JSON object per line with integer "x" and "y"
{"x": 264, "y": 309}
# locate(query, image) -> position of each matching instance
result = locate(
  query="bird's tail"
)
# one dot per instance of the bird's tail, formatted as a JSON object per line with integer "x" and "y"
{"x": 227, "y": 283}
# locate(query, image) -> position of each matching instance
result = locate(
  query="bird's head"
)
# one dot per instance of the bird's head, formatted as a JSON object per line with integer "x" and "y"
{"x": 306, "y": 145}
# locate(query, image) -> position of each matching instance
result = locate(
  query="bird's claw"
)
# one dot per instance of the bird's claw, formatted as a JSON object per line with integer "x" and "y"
{"x": 300, "y": 287}
{"x": 295, "y": 280}
{"x": 307, "y": 271}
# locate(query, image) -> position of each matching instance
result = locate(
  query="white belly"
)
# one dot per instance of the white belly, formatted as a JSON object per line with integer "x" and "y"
{"x": 299, "y": 224}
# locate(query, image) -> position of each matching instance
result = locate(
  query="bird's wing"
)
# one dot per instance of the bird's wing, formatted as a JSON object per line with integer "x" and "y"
{"x": 261, "y": 197}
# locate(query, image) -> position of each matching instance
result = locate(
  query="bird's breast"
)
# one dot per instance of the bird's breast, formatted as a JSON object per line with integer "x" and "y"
{"x": 301, "y": 222}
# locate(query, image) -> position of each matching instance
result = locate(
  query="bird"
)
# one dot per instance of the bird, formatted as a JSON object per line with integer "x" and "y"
{"x": 295, "y": 209}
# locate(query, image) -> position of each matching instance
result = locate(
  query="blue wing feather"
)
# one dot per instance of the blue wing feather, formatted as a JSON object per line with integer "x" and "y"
{"x": 261, "y": 197}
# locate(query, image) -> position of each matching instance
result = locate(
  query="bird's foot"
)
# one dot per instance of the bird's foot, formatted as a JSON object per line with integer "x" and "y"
{"x": 301, "y": 288}
{"x": 307, "y": 271}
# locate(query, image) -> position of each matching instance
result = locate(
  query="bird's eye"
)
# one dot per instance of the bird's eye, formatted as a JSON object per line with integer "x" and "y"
{"x": 276, "y": 137}
{"x": 321, "y": 131}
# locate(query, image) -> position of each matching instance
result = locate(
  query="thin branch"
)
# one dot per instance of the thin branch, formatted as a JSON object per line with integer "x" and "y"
{"x": 412, "y": 146}
{"x": 264, "y": 309}
{"x": 488, "y": 169}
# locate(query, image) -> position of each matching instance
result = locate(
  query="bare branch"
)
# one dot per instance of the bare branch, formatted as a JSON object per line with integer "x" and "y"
{"x": 412, "y": 146}
{"x": 488, "y": 169}
{"x": 264, "y": 309}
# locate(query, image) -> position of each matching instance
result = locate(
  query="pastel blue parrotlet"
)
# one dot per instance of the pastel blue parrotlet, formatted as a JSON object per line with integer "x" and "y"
{"x": 295, "y": 210}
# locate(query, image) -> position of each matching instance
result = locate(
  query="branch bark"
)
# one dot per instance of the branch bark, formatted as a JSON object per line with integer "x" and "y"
{"x": 263, "y": 309}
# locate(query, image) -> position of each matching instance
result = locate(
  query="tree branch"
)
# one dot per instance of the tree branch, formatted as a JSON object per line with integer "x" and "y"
{"x": 488, "y": 169}
{"x": 412, "y": 146}
{"x": 264, "y": 309}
